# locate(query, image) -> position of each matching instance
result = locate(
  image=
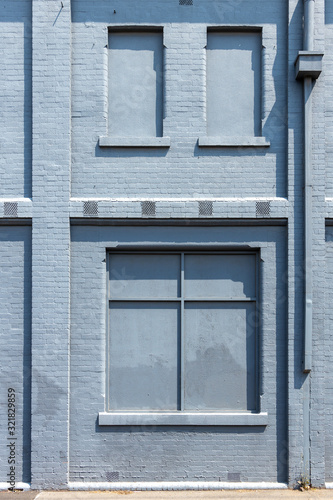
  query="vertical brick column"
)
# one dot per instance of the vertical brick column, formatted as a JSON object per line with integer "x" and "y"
{"x": 294, "y": 453}
{"x": 51, "y": 240}
{"x": 306, "y": 390}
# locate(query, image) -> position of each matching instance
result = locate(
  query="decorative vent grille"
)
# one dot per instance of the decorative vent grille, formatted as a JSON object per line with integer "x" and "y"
{"x": 112, "y": 476}
{"x": 263, "y": 208}
{"x": 10, "y": 209}
{"x": 90, "y": 208}
{"x": 185, "y": 2}
{"x": 205, "y": 208}
{"x": 234, "y": 476}
{"x": 148, "y": 208}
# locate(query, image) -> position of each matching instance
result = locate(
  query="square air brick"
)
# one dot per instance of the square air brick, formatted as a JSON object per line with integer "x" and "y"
{"x": 234, "y": 476}
{"x": 205, "y": 208}
{"x": 148, "y": 208}
{"x": 112, "y": 476}
{"x": 10, "y": 209}
{"x": 263, "y": 208}
{"x": 90, "y": 208}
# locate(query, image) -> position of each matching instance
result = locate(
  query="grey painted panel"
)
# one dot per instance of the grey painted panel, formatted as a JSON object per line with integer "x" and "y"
{"x": 220, "y": 276}
{"x": 144, "y": 276}
{"x": 143, "y": 356}
{"x": 220, "y": 356}
{"x": 233, "y": 84}
{"x": 135, "y": 84}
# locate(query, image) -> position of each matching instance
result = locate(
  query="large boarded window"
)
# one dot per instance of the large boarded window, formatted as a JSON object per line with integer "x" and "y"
{"x": 182, "y": 331}
{"x": 135, "y": 83}
{"x": 233, "y": 83}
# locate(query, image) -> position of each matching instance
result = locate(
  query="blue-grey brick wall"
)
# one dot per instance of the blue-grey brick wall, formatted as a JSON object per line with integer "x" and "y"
{"x": 141, "y": 453}
{"x": 15, "y": 347}
{"x": 318, "y": 396}
{"x": 185, "y": 170}
{"x": 328, "y": 360}
{"x": 328, "y": 404}
{"x": 295, "y": 249}
{"x": 15, "y": 99}
{"x": 50, "y": 243}
{"x": 54, "y": 175}
{"x": 328, "y": 95}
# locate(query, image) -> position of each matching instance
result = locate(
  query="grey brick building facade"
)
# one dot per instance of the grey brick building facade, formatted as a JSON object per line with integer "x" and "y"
{"x": 166, "y": 229}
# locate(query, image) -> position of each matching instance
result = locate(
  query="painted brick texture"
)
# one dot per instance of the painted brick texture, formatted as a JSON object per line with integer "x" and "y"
{"x": 15, "y": 346}
{"x": 182, "y": 453}
{"x": 329, "y": 192}
{"x": 71, "y": 200}
{"x": 15, "y": 99}
{"x": 50, "y": 244}
{"x": 185, "y": 170}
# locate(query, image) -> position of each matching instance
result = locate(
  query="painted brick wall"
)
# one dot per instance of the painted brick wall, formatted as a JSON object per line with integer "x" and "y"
{"x": 328, "y": 358}
{"x": 318, "y": 397}
{"x": 185, "y": 170}
{"x": 329, "y": 239}
{"x": 15, "y": 346}
{"x": 180, "y": 453}
{"x": 66, "y": 76}
{"x": 50, "y": 243}
{"x": 328, "y": 95}
{"x": 15, "y": 98}
{"x": 295, "y": 248}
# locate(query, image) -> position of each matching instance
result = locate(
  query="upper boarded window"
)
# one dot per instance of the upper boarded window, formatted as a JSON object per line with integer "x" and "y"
{"x": 233, "y": 83}
{"x": 182, "y": 331}
{"x": 135, "y": 83}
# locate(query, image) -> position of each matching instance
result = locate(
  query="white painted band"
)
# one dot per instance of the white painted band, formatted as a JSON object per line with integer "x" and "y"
{"x": 18, "y": 486}
{"x": 176, "y": 486}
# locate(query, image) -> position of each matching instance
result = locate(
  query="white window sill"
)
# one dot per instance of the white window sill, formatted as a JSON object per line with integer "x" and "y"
{"x": 233, "y": 142}
{"x": 135, "y": 142}
{"x": 182, "y": 418}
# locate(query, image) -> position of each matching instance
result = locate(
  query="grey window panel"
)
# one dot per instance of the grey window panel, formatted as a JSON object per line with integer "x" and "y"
{"x": 233, "y": 84}
{"x": 223, "y": 276}
{"x": 182, "y": 341}
{"x": 144, "y": 276}
{"x": 135, "y": 84}
{"x": 220, "y": 356}
{"x": 144, "y": 346}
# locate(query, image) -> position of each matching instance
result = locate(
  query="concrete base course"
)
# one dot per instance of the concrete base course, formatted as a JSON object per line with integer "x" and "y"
{"x": 168, "y": 495}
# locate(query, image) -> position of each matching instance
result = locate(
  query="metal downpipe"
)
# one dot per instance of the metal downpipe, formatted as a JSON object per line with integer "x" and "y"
{"x": 308, "y": 84}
